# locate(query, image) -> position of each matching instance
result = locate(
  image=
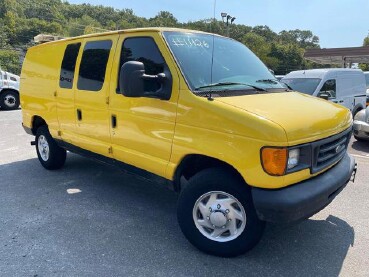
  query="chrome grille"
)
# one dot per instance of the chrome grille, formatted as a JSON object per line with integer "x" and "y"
{"x": 330, "y": 150}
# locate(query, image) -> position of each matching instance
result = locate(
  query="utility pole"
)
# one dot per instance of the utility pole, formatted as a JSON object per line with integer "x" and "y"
{"x": 228, "y": 20}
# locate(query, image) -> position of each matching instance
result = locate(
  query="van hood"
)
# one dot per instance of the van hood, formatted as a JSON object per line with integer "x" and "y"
{"x": 303, "y": 117}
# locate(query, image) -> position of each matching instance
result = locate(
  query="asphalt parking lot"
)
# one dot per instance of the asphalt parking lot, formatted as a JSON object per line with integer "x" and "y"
{"x": 90, "y": 219}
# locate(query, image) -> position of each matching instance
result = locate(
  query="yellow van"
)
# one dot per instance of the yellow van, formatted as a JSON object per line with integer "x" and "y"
{"x": 194, "y": 110}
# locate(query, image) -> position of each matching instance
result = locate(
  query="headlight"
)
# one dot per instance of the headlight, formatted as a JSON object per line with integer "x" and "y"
{"x": 293, "y": 158}
{"x": 278, "y": 161}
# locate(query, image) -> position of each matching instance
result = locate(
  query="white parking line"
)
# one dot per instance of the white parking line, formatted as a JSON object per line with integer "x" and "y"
{"x": 361, "y": 156}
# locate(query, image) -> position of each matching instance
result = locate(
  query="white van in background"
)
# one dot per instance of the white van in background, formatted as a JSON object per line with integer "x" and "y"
{"x": 340, "y": 85}
{"x": 9, "y": 90}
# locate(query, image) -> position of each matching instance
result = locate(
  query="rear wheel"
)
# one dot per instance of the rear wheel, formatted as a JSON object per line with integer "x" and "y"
{"x": 9, "y": 100}
{"x": 355, "y": 111}
{"x": 360, "y": 139}
{"x": 50, "y": 155}
{"x": 217, "y": 215}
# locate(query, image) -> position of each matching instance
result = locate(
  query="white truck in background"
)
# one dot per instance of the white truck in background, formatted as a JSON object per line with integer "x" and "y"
{"x": 344, "y": 86}
{"x": 9, "y": 90}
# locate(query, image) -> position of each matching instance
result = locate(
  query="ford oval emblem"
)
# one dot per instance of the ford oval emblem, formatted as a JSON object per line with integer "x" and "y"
{"x": 339, "y": 148}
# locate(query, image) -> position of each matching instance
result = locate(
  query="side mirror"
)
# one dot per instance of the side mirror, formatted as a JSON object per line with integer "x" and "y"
{"x": 133, "y": 81}
{"x": 130, "y": 79}
{"x": 324, "y": 96}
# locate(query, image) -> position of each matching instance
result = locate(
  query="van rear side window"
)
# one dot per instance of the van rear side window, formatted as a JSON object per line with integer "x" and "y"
{"x": 69, "y": 65}
{"x": 93, "y": 65}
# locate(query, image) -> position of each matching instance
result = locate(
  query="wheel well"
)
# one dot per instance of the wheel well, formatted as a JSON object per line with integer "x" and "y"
{"x": 357, "y": 109}
{"x": 192, "y": 164}
{"x": 37, "y": 122}
{"x": 9, "y": 89}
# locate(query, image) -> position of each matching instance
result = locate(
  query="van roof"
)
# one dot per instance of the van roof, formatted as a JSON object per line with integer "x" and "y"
{"x": 135, "y": 30}
{"x": 319, "y": 73}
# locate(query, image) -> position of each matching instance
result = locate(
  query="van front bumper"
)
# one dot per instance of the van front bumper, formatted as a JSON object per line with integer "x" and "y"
{"x": 304, "y": 199}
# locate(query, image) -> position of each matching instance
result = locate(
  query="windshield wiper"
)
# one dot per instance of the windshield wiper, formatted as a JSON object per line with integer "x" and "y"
{"x": 289, "y": 87}
{"x": 269, "y": 81}
{"x": 274, "y": 81}
{"x": 231, "y": 84}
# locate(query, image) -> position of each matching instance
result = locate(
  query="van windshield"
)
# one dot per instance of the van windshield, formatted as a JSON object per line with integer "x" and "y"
{"x": 304, "y": 85}
{"x": 235, "y": 67}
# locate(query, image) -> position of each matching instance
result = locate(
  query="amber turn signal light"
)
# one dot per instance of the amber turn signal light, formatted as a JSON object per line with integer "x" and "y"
{"x": 274, "y": 160}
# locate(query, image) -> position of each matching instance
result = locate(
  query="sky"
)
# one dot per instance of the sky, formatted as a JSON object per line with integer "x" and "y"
{"x": 337, "y": 23}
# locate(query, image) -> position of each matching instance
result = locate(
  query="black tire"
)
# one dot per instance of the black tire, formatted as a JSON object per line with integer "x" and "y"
{"x": 9, "y": 100}
{"x": 223, "y": 180}
{"x": 359, "y": 139}
{"x": 355, "y": 112}
{"x": 57, "y": 155}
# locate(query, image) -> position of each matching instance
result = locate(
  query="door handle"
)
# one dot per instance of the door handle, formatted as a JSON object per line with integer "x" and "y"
{"x": 113, "y": 121}
{"x": 79, "y": 114}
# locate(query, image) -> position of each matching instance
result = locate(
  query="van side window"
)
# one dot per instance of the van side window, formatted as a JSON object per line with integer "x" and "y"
{"x": 329, "y": 88}
{"x": 145, "y": 50}
{"x": 68, "y": 65}
{"x": 93, "y": 65}
{"x": 13, "y": 79}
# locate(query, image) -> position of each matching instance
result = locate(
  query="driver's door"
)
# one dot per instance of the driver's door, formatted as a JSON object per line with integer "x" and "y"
{"x": 142, "y": 129}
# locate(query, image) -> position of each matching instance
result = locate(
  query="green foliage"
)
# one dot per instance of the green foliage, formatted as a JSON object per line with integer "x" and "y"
{"x": 289, "y": 56}
{"x": 9, "y": 61}
{"x": 164, "y": 19}
{"x": 305, "y": 39}
{"x": 21, "y": 20}
{"x": 365, "y": 66}
{"x": 366, "y": 41}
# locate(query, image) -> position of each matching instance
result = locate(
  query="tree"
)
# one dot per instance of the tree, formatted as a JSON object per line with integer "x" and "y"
{"x": 33, "y": 27}
{"x": 83, "y": 25}
{"x": 290, "y": 57}
{"x": 304, "y": 38}
{"x": 3, "y": 38}
{"x": 365, "y": 66}
{"x": 256, "y": 44}
{"x": 261, "y": 48}
{"x": 9, "y": 61}
{"x": 163, "y": 19}
{"x": 265, "y": 32}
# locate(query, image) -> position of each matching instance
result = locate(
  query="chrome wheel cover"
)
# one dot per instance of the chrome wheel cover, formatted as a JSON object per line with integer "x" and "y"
{"x": 43, "y": 148}
{"x": 219, "y": 216}
{"x": 10, "y": 101}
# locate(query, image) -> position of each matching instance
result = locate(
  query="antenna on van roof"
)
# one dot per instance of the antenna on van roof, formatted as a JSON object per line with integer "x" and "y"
{"x": 212, "y": 52}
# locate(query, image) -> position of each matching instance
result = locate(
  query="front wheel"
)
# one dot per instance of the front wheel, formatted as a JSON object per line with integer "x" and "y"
{"x": 50, "y": 155}
{"x": 360, "y": 139}
{"x": 9, "y": 100}
{"x": 217, "y": 215}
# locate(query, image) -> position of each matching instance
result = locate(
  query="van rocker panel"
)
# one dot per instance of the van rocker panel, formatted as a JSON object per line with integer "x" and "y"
{"x": 304, "y": 199}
